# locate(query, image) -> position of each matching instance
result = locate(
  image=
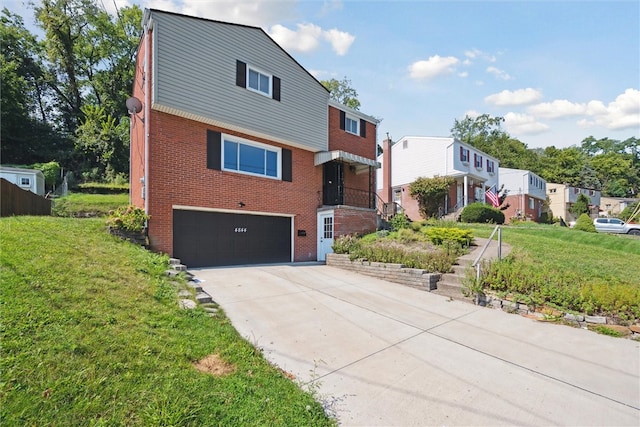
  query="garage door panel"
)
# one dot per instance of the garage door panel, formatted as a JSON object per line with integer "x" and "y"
{"x": 203, "y": 239}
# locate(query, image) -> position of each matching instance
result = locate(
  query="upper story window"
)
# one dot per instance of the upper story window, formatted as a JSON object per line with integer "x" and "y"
{"x": 250, "y": 157}
{"x": 464, "y": 155}
{"x": 25, "y": 181}
{"x": 351, "y": 125}
{"x": 491, "y": 167}
{"x": 477, "y": 161}
{"x": 258, "y": 81}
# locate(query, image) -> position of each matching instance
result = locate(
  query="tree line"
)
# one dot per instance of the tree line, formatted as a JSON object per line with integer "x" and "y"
{"x": 63, "y": 102}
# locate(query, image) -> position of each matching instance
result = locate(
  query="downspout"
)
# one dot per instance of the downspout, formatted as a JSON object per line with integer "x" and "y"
{"x": 147, "y": 111}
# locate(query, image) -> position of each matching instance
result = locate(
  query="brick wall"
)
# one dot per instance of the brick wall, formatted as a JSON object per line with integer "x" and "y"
{"x": 348, "y": 220}
{"x": 137, "y": 147}
{"x": 342, "y": 140}
{"x": 178, "y": 175}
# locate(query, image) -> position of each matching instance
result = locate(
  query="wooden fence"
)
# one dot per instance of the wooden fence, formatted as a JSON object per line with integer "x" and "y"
{"x": 16, "y": 201}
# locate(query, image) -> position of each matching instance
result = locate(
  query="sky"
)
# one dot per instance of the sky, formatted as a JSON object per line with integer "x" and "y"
{"x": 556, "y": 71}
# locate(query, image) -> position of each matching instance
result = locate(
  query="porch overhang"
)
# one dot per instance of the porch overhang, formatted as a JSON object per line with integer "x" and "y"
{"x": 361, "y": 164}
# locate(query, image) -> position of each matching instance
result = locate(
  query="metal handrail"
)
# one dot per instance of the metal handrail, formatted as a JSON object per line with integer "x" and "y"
{"x": 476, "y": 263}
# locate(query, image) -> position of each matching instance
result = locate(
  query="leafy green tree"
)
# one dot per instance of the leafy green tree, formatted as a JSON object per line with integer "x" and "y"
{"x": 429, "y": 193}
{"x": 104, "y": 140}
{"x": 343, "y": 92}
{"x": 581, "y": 206}
{"x": 563, "y": 165}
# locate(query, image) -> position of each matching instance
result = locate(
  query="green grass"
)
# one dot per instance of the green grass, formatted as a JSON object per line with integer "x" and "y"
{"x": 92, "y": 334}
{"x": 574, "y": 270}
{"x": 84, "y": 205}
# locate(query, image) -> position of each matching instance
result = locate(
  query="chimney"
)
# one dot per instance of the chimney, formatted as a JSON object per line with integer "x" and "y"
{"x": 387, "y": 194}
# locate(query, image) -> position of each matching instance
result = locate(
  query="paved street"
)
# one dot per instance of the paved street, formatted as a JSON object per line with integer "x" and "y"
{"x": 383, "y": 354}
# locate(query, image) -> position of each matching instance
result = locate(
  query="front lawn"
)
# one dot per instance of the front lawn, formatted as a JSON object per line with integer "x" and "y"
{"x": 92, "y": 335}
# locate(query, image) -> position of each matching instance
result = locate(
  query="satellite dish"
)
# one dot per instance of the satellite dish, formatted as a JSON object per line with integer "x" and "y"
{"x": 134, "y": 106}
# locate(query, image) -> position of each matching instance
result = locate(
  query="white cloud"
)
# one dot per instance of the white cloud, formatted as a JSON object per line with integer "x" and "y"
{"x": 473, "y": 53}
{"x": 305, "y": 39}
{"x": 434, "y": 66}
{"x": 517, "y": 97}
{"x": 623, "y": 113}
{"x": 260, "y": 13}
{"x": 464, "y": 74}
{"x": 340, "y": 41}
{"x": 330, "y": 6}
{"x": 472, "y": 113}
{"x": 498, "y": 73}
{"x": 308, "y": 36}
{"x": 523, "y": 124}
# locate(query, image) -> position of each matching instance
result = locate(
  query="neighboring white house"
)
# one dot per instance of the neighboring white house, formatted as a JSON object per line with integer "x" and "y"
{"x": 27, "y": 179}
{"x": 413, "y": 157}
{"x": 563, "y": 196}
{"x": 526, "y": 193}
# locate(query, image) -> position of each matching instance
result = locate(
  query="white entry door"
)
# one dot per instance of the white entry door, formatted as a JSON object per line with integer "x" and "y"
{"x": 325, "y": 234}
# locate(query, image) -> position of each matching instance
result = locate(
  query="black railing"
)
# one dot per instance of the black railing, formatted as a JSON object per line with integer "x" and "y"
{"x": 350, "y": 197}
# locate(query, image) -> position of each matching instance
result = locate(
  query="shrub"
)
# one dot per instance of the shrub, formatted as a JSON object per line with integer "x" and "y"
{"x": 399, "y": 221}
{"x": 585, "y": 223}
{"x": 129, "y": 218}
{"x": 481, "y": 213}
{"x": 345, "y": 244}
{"x": 441, "y": 235}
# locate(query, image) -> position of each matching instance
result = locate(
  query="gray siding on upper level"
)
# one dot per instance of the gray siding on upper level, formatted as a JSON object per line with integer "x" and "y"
{"x": 195, "y": 76}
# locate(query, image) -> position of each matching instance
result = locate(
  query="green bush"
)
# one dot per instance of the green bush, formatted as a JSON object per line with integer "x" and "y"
{"x": 399, "y": 221}
{"x": 345, "y": 244}
{"x": 481, "y": 213}
{"x": 585, "y": 223}
{"x": 389, "y": 252}
{"x": 442, "y": 235}
{"x": 129, "y": 218}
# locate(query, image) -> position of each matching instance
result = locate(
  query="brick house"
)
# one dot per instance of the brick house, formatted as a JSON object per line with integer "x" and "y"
{"x": 562, "y": 197}
{"x": 413, "y": 157}
{"x": 526, "y": 194}
{"x": 237, "y": 152}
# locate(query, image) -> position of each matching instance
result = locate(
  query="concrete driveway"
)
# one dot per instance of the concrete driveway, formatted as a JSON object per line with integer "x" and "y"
{"x": 381, "y": 354}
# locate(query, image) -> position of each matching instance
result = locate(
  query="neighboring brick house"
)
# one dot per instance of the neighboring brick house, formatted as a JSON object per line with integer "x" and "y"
{"x": 415, "y": 156}
{"x": 613, "y": 206}
{"x": 563, "y": 196}
{"x": 526, "y": 194}
{"x": 237, "y": 153}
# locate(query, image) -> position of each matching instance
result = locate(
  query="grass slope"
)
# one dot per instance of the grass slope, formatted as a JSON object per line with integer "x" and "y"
{"x": 92, "y": 335}
{"x": 82, "y": 204}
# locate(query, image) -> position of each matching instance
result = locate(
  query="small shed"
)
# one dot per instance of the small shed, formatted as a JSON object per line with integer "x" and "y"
{"x": 27, "y": 179}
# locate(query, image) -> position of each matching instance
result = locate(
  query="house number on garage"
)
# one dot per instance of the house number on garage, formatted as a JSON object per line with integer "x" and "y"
{"x": 240, "y": 230}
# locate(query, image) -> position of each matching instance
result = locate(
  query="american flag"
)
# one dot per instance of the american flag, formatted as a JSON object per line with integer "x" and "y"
{"x": 492, "y": 195}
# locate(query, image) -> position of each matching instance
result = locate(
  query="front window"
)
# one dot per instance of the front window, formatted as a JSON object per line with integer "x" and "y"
{"x": 351, "y": 125}
{"x": 532, "y": 203}
{"x": 464, "y": 155}
{"x": 250, "y": 157}
{"x": 490, "y": 166}
{"x": 477, "y": 161}
{"x": 258, "y": 81}
{"x": 25, "y": 181}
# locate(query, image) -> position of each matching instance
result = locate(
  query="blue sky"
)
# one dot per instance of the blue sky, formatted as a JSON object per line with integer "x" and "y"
{"x": 556, "y": 71}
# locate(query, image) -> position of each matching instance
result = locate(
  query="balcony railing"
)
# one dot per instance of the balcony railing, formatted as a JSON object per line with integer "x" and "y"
{"x": 351, "y": 197}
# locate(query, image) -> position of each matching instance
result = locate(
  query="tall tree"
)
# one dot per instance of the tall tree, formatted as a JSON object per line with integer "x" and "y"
{"x": 343, "y": 92}
{"x": 26, "y": 131}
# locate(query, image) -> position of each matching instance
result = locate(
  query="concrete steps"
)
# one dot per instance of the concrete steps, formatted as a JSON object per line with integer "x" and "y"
{"x": 452, "y": 284}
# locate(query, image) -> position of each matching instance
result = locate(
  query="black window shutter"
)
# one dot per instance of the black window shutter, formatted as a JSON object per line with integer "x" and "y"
{"x": 363, "y": 128}
{"x": 342, "y": 119}
{"x": 287, "y": 174}
{"x": 276, "y": 88}
{"x": 214, "y": 143}
{"x": 241, "y": 74}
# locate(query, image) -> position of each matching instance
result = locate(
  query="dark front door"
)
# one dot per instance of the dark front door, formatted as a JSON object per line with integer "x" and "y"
{"x": 207, "y": 239}
{"x": 333, "y": 184}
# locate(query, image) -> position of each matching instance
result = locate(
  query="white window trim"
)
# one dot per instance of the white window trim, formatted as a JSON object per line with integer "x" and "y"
{"x": 357, "y": 122}
{"x": 264, "y": 73}
{"x": 238, "y": 140}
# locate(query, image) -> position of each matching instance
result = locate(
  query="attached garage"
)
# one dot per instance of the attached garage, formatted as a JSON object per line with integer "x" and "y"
{"x": 208, "y": 239}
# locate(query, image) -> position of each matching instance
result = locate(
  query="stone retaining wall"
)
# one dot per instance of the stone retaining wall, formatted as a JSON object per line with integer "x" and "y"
{"x": 397, "y": 273}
